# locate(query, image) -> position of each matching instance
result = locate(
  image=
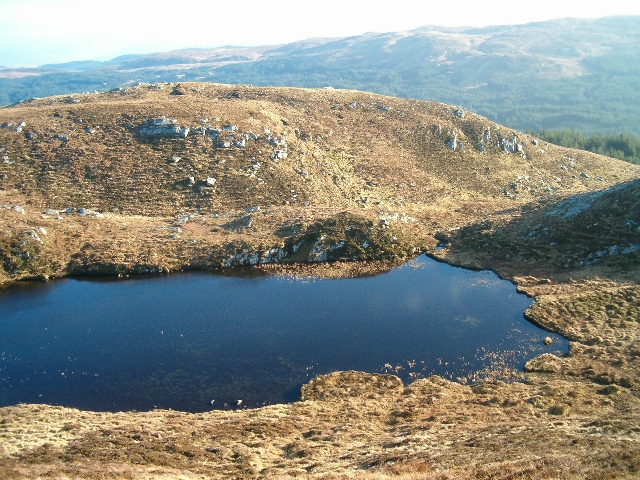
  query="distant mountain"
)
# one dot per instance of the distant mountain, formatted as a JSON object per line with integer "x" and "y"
{"x": 573, "y": 73}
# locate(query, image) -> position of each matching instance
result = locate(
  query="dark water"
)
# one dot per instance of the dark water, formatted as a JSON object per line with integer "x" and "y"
{"x": 183, "y": 341}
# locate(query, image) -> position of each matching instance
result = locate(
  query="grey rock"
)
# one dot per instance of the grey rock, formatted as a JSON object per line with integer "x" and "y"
{"x": 278, "y": 142}
{"x": 163, "y": 126}
{"x": 186, "y": 218}
{"x": 34, "y": 236}
{"x": 279, "y": 155}
{"x": 85, "y": 212}
{"x": 511, "y": 146}
{"x": 452, "y": 143}
{"x": 274, "y": 255}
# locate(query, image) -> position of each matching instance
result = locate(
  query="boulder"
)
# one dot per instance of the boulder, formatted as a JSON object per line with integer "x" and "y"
{"x": 34, "y": 236}
{"x": 511, "y": 146}
{"x": 452, "y": 143}
{"x": 85, "y": 212}
{"x": 279, "y": 155}
{"x": 162, "y": 126}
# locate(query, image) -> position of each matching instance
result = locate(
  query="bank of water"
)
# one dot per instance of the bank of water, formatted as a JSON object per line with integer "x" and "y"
{"x": 197, "y": 341}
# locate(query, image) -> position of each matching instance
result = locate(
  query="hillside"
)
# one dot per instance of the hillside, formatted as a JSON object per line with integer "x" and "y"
{"x": 159, "y": 178}
{"x": 201, "y": 172}
{"x": 563, "y": 74}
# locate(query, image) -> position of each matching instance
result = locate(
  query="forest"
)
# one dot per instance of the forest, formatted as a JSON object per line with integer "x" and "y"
{"x": 622, "y": 146}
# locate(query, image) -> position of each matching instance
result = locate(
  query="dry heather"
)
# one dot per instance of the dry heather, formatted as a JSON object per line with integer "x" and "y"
{"x": 324, "y": 175}
{"x": 378, "y": 166}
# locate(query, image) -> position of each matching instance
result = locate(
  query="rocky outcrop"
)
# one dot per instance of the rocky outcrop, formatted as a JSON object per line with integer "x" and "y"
{"x": 511, "y": 146}
{"x": 164, "y": 127}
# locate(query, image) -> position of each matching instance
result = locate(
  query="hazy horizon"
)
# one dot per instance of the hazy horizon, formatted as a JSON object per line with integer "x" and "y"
{"x": 37, "y": 32}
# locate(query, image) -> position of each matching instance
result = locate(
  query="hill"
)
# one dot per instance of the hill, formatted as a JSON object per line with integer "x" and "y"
{"x": 158, "y": 178}
{"x": 258, "y": 168}
{"x": 564, "y": 74}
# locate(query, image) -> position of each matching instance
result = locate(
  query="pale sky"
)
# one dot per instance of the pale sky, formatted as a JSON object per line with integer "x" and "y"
{"x": 36, "y": 32}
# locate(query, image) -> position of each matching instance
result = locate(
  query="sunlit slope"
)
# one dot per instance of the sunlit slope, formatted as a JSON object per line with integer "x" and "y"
{"x": 159, "y": 177}
{"x": 344, "y": 149}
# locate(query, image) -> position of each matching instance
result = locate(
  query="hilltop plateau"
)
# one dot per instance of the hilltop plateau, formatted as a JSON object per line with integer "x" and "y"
{"x": 160, "y": 178}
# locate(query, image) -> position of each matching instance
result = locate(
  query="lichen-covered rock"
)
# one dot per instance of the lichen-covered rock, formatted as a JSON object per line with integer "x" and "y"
{"x": 163, "y": 126}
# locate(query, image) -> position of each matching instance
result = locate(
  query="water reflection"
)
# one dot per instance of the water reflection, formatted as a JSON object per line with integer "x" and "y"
{"x": 197, "y": 340}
